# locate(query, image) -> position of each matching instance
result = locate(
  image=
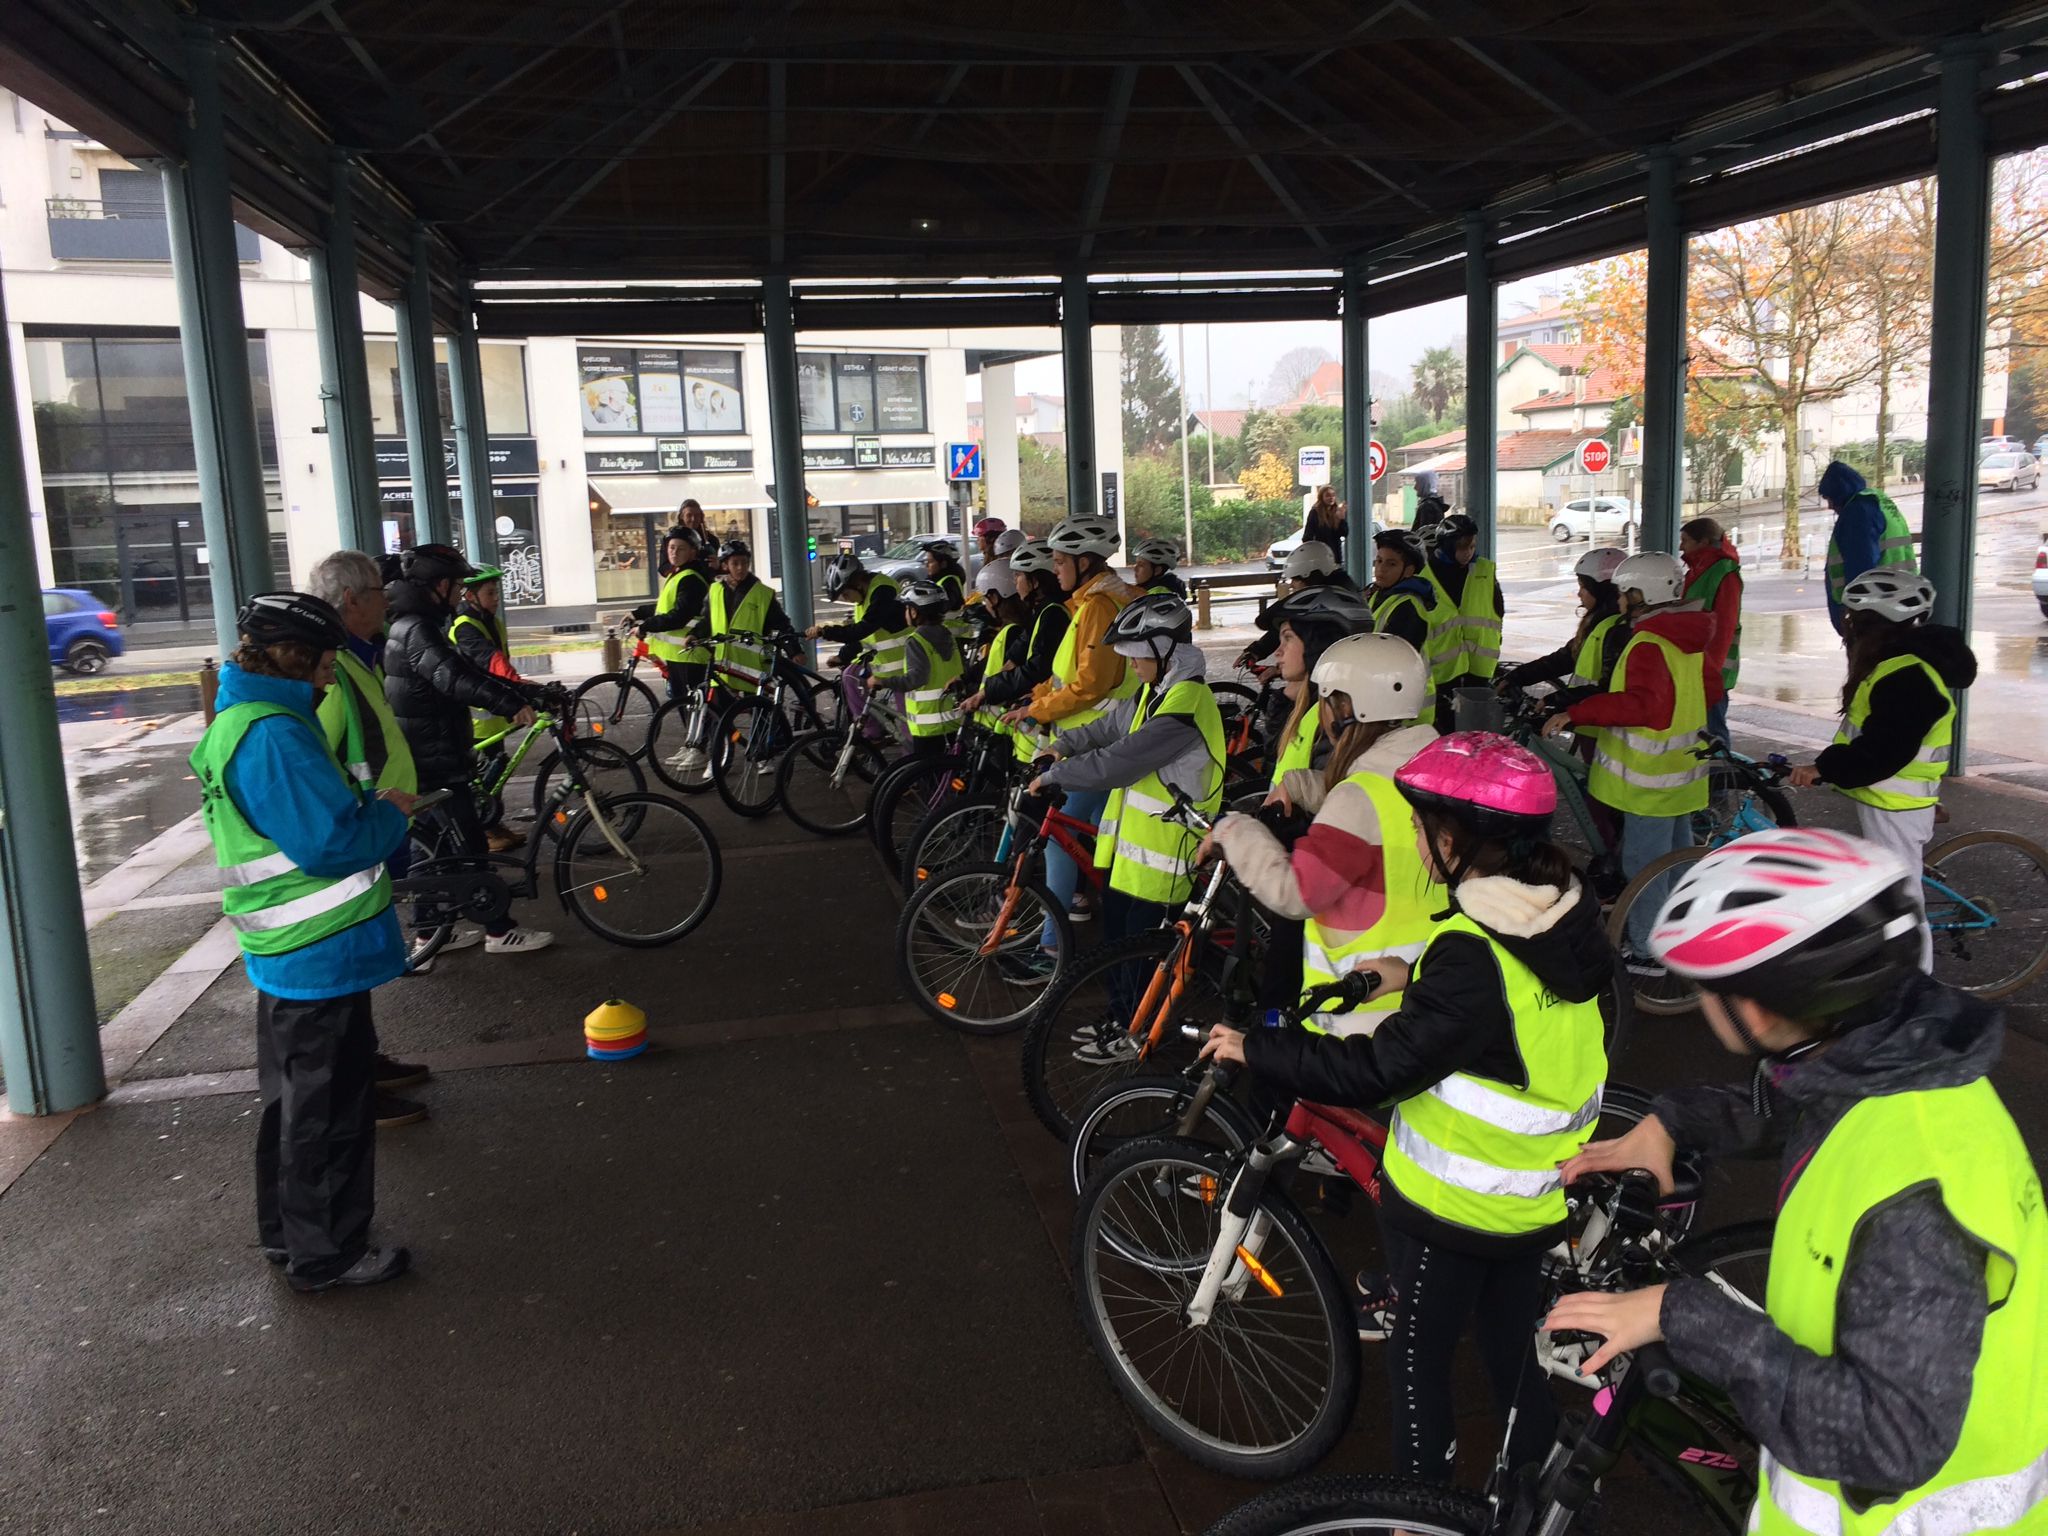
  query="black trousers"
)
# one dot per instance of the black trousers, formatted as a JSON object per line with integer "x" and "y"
{"x": 316, "y": 1143}
{"x": 1440, "y": 1292}
{"x": 685, "y": 675}
{"x": 468, "y": 825}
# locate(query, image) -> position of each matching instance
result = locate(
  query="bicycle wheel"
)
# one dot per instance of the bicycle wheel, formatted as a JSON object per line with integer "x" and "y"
{"x": 940, "y": 937}
{"x": 667, "y": 748}
{"x": 964, "y": 830}
{"x": 1736, "y": 1258}
{"x": 1078, "y": 1039}
{"x": 600, "y": 765}
{"x": 1357, "y": 1506}
{"x": 1987, "y": 905}
{"x": 642, "y": 890}
{"x": 909, "y": 793}
{"x": 613, "y": 707}
{"x": 1669, "y": 993}
{"x": 1267, "y": 1386}
{"x": 817, "y": 792}
{"x": 1150, "y": 1104}
{"x": 750, "y": 738}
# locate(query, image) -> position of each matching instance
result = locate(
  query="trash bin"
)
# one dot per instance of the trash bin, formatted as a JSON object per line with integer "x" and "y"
{"x": 1478, "y": 709}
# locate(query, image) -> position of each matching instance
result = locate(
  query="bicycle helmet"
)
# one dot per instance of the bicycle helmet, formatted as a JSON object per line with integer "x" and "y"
{"x": 1009, "y": 540}
{"x": 691, "y": 537}
{"x": 482, "y": 574}
{"x": 1812, "y": 923}
{"x": 1308, "y": 561}
{"x": 1456, "y": 528}
{"x": 1891, "y": 592}
{"x": 269, "y": 617}
{"x": 1084, "y": 536}
{"x": 429, "y": 563}
{"x": 1140, "y": 628}
{"x": 1405, "y": 542}
{"x": 1320, "y": 615}
{"x": 918, "y": 593}
{"x": 1659, "y": 577}
{"x": 1163, "y": 553}
{"x": 1382, "y": 675}
{"x": 1599, "y": 565}
{"x": 839, "y": 570}
{"x": 1031, "y": 557}
{"x": 989, "y": 527}
{"x": 733, "y": 547}
{"x": 1481, "y": 781}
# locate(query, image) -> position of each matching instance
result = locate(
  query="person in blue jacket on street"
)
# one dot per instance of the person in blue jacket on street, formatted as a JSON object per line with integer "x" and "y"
{"x": 302, "y": 850}
{"x": 1870, "y": 531}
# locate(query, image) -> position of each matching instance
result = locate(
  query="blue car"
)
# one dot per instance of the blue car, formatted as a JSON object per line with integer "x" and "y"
{"x": 84, "y": 633}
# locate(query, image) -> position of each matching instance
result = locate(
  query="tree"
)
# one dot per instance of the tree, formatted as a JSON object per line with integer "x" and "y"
{"x": 1439, "y": 378}
{"x": 1263, "y": 432}
{"x": 1151, "y": 394}
{"x": 1894, "y": 263}
{"x": 1041, "y": 486}
{"x": 1268, "y": 478}
{"x": 1292, "y": 373}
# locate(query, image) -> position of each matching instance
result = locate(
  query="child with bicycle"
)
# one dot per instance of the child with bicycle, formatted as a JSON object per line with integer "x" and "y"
{"x": 1898, "y": 1378}
{"x": 1898, "y": 715}
{"x": 1493, "y": 1063}
{"x": 923, "y": 690}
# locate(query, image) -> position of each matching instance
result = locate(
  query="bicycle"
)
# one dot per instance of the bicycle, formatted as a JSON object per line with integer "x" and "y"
{"x": 696, "y": 717}
{"x": 754, "y": 729}
{"x": 826, "y": 777}
{"x": 978, "y": 763}
{"x": 609, "y": 766}
{"x": 617, "y": 705}
{"x": 965, "y": 827}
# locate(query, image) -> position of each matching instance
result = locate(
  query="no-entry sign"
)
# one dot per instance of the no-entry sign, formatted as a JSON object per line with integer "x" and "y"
{"x": 1595, "y": 455}
{"x": 1377, "y": 452}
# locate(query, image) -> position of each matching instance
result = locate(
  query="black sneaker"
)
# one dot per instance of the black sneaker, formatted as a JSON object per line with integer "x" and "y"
{"x": 1646, "y": 967}
{"x": 392, "y": 1111}
{"x": 375, "y": 1267}
{"x": 1375, "y": 1306}
{"x": 394, "y": 1075}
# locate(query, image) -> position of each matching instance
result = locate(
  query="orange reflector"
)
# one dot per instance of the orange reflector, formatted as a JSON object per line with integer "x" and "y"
{"x": 947, "y": 1000}
{"x": 1207, "y": 1186}
{"x": 959, "y": 783}
{"x": 923, "y": 873}
{"x": 597, "y": 727}
{"x": 561, "y": 819}
{"x": 1259, "y": 1272}
{"x": 600, "y": 893}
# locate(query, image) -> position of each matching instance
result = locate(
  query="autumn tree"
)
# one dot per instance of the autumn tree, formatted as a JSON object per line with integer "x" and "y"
{"x": 1268, "y": 478}
{"x": 1151, "y": 394}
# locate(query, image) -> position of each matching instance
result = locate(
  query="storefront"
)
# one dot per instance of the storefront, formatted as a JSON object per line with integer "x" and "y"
{"x": 636, "y": 494}
{"x": 515, "y": 505}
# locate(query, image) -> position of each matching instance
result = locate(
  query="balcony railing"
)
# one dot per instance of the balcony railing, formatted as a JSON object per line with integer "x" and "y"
{"x": 113, "y": 229}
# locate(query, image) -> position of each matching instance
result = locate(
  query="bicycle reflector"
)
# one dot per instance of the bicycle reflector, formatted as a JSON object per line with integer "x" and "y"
{"x": 1259, "y": 1272}
{"x": 948, "y": 1000}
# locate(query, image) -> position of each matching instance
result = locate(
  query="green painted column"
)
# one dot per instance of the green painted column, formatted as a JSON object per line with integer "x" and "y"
{"x": 1077, "y": 359}
{"x": 1481, "y": 365}
{"x": 49, "y": 1028}
{"x": 1357, "y": 429}
{"x": 472, "y": 438}
{"x": 786, "y": 446}
{"x": 420, "y": 397}
{"x": 345, "y": 374}
{"x": 234, "y": 509}
{"x": 1664, "y": 362}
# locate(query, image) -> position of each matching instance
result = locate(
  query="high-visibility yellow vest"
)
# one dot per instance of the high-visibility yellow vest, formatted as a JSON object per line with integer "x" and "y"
{"x": 930, "y": 709}
{"x": 1415, "y": 899}
{"x": 1300, "y": 749}
{"x": 1587, "y": 666}
{"x": 991, "y": 715}
{"x": 1894, "y": 546}
{"x": 1147, "y": 856}
{"x": 1917, "y": 784}
{"x": 482, "y": 726}
{"x": 1435, "y": 644}
{"x": 1484, "y": 1154}
{"x": 1464, "y": 635}
{"x": 345, "y": 710}
{"x": 889, "y": 639}
{"x": 1064, "y": 669}
{"x": 661, "y": 642}
{"x": 744, "y": 660}
{"x": 1963, "y": 1142}
{"x": 1641, "y": 772}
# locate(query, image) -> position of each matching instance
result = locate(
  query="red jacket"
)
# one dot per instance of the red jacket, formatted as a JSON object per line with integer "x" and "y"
{"x": 1646, "y": 699}
{"x": 1727, "y": 611}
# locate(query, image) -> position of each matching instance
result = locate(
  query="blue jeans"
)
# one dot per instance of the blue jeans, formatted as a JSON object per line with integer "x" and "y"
{"x": 1717, "y": 718}
{"x": 1644, "y": 840}
{"x": 1062, "y": 874}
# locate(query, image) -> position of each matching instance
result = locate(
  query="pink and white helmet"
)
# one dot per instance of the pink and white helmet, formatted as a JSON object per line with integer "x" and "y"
{"x": 1485, "y": 781}
{"x": 1809, "y": 922}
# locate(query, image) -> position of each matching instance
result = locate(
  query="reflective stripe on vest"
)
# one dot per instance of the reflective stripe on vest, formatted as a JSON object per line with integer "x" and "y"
{"x": 1917, "y": 784}
{"x": 932, "y": 710}
{"x": 314, "y": 903}
{"x": 1702, "y": 589}
{"x": 1414, "y": 899}
{"x": 1065, "y": 668}
{"x": 660, "y": 644}
{"x": 889, "y": 640}
{"x": 1962, "y": 1143}
{"x": 1300, "y": 751}
{"x": 1464, "y": 637}
{"x": 1150, "y": 855}
{"x": 747, "y": 663}
{"x": 1641, "y": 772}
{"x": 1382, "y": 620}
{"x": 1894, "y": 546}
{"x": 1482, "y": 1154}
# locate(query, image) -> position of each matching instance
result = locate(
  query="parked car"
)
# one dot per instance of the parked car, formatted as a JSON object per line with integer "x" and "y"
{"x": 1990, "y": 445}
{"x": 1278, "y": 551}
{"x": 1590, "y": 514}
{"x": 84, "y": 633}
{"x": 2041, "y": 574}
{"x": 906, "y": 558}
{"x": 2009, "y": 471}
{"x": 2040, "y": 448}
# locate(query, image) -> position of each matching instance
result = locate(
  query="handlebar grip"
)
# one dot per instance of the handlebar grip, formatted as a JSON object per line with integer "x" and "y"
{"x": 1660, "y": 1374}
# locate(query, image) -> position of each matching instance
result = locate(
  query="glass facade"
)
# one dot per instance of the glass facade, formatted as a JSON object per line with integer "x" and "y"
{"x": 861, "y": 392}
{"x": 504, "y": 370}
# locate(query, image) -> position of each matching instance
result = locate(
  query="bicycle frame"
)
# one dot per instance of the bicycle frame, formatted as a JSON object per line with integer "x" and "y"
{"x": 1056, "y": 827}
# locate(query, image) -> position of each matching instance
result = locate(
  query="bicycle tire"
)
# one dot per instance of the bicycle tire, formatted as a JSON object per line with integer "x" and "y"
{"x": 817, "y": 807}
{"x": 1730, "y": 1257}
{"x": 1055, "y": 1081}
{"x": 672, "y": 850}
{"x": 610, "y": 770}
{"x": 1292, "y": 1254}
{"x": 923, "y": 931}
{"x": 904, "y": 800}
{"x": 1170, "y": 1094}
{"x": 608, "y": 706}
{"x": 665, "y": 738}
{"x": 743, "y": 766}
{"x": 965, "y": 830}
{"x": 1669, "y": 994}
{"x": 1951, "y": 946}
{"x": 1355, "y": 1506}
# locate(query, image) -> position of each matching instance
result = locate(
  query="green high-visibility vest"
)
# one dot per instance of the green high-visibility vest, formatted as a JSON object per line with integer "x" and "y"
{"x": 1919, "y": 782}
{"x": 1483, "y": 1154}
{"x": 931, "y": 710}
{"x": 1300, "y": 751}
{"x": 483, "y": 727}
{"x": 273, "y": 905}
{"x": 1147, "y": 856}
{"x": 1589, "y": 666}
{"x": 991, "y": 715}
{"x": 661, "y": 643}
{"x": 1414, "y": 899}
{"x": 1894, "y": 547}
{"x": 887, "y": 641}
{"x": 744, "y": 660}
{"x": 1065, "y": 667}
{"x": 1701, "y": 589}
{"x": 1641, "y": 772}
{"x": 1435, "y": 641}
{"x": 357, "y": 689}
{"x": 1464, "y": 636}
{"x": 1962, "y": 1142}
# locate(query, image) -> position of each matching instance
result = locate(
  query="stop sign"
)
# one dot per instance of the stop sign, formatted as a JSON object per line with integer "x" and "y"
{"x": 1594, "y": 455}
{"x": 1377, "y": 456}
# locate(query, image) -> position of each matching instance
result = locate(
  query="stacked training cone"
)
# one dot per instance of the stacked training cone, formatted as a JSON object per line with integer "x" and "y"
{"x": 614, "y": 1030}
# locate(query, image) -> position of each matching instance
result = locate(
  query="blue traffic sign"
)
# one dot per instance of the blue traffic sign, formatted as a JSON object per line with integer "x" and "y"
{"x": 963, "y": 461}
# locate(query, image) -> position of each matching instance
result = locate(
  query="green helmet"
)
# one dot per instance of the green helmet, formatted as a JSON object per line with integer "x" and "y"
{"x": 482, "y": 574}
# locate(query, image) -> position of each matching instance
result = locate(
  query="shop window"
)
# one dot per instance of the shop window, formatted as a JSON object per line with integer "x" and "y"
{"x": 644, "y": 390}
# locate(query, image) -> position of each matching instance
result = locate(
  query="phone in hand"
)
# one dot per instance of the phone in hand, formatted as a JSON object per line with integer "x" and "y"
{"x": 431, "y": 799}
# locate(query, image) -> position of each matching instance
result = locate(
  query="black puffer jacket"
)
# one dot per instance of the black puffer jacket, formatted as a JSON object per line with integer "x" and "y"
{"x": 431, "y": 686}
{"x": 1903, "y": 708}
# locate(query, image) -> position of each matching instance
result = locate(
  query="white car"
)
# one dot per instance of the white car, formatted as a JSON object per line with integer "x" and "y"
{"x": 2041, "y": 575}
{"x": 1594, "y": 514}
{"x": 2008, "y": 471}
{"x": 1278, "y": 551}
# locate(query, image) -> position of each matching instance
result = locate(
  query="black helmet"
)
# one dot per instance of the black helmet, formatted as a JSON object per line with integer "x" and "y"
{"x": 1150, "y": 620}
{"x": 690, "y": 537}
{"x": 269, "y": 617}
{"x": 839, "y": 570}
{"x": 1320, "y": 615}
{"x": 1455, "y": 527}
{"x": 390, "y": 567}
{"x": 1405, "y": 542}
{"x": 429, "y": 563}
{"x": 733, "y": 547}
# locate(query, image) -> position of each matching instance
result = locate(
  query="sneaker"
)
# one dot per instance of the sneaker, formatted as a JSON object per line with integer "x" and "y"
{"x": 373, "y": 1268}
{"x": 1081, "y": 911}
{"x": 518, "y": 941}
{"x": 1036, "y": 966}
{"x": 503, "y": 839}
{"x": 1647, "y": 967}
{"x": 690, "y": 760}
{"x": 394, "y": 1075}
{"x": 275, "y": 1255}
{"x": 1101, "y": 1029}
{"x": 465, "y": 936}
{"x": 1114, "y": 1051}
{"x": 1375, "y": 1306}
{"x": 392, "y": 1112}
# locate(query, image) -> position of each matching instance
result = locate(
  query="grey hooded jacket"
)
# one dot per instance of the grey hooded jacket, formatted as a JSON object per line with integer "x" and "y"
{"x": 1107, "y": 754}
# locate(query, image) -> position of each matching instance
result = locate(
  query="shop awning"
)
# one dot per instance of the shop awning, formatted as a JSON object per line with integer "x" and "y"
{"x": 865, "y": 487}
{"x": 665, "y": 493}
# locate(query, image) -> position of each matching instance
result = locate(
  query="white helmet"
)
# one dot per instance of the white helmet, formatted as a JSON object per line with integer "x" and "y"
{"x": 1659, "y": 577}
{"x": 1009, "y": 539}
{"x": 1084, "y": 536}
{"x": 1033, "y": 557}
{"x": 1310, "y": 559}
{"x": 1891, "y": 592}
{"x": 1599, "y": 564}
{"x": 1383, "y": 676}
{"x": 1163, "y": 553}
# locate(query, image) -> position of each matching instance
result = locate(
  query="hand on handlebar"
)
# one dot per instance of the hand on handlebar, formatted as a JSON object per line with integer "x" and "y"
{"x": 1281, "y": 798}
{"x": 1804, "y": 776}
{"x": 1225, "y": 1046}
{"x": 1626, "y": 1321}
{"x": 1557, "y": 724}
{"x": 1647, "y": 1146}
{"x": 524, "y": 718}
{"x": 1018, "y": 715}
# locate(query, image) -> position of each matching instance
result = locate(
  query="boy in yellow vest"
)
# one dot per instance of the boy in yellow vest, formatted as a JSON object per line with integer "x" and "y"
{"x": 1897, "y": 1379}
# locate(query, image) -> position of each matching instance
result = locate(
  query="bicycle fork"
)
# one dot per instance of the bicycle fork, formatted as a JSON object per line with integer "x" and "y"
{"x": 1241, "y": 1235}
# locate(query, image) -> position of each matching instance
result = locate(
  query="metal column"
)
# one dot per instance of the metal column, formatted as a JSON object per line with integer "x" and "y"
{"x": 1955, "y": 353}
{"x": 420, "y": 394}
{"x": 49, "y": 1029}
{"x": 1357, "y": 429}
{"x": 234, "y": 509}
{"x": 1481, "y": 366}
{"x": 472, "y": 438}
{"x": 786, "y": 444}
{"x": 345, "y": 374}
{"x": 1664, "y": 402}
{"x": 1077, "y": 334}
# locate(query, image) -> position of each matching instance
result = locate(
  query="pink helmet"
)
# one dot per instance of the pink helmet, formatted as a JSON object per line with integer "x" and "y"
{"x": 1485, "y": 781}
{"x": 989, "y": 527}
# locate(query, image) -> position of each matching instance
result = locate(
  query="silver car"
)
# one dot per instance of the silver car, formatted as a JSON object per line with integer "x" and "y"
{"x": 2008, "y": 471}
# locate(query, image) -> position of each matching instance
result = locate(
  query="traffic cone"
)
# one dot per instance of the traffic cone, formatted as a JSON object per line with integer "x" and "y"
{"x": 614, "y": 1031}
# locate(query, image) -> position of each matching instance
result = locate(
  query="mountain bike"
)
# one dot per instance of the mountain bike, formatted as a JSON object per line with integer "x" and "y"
{"x": 608, "y": 766}
{"x": 617, "y": 706}
{"x": 692, "y": 717}
{"x": 968, "y": 826}
{"x": 825, "y": 777}
{"x": 978, "y": 764}
{"x": 754, "y": 729}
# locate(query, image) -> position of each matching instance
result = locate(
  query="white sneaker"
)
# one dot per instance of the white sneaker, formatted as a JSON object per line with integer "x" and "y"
{"x": 690, "y": 760}
{"x": 465, "y": 936}
{"x": 519, "y": 940}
